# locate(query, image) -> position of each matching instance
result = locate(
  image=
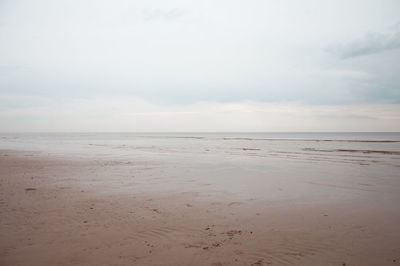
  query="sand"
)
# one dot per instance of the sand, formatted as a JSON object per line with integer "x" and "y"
{"x": 82, "y": 211}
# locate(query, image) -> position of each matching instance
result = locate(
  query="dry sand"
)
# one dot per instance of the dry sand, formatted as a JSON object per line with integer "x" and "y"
{"x": 66, "y": 211}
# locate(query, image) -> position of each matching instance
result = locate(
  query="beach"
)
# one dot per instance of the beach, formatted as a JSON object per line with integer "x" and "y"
{"x": 191, "y": 133}
{"x": 199, "y": 200}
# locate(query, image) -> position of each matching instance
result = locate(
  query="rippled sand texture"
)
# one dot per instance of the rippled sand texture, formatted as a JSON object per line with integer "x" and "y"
{"x": 199, "y": 201}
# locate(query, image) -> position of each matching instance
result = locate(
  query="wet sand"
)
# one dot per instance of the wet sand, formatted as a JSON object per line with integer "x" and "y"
{"x": 74, "y": 211}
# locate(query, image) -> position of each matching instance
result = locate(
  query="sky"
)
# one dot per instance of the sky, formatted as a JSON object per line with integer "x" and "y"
{"x": 221, "y": 65}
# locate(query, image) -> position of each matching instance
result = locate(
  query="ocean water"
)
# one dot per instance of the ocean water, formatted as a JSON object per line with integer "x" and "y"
{"x": 358, "y": 147}
{"x": 295, "y": 167}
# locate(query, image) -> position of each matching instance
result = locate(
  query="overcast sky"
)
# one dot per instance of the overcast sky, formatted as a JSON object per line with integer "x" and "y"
{"x": 309, "y": 65}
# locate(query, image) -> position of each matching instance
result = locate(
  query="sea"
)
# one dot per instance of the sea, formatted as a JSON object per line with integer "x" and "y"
{"x": 295, "y": 166}
{"x": 350, "y": 147}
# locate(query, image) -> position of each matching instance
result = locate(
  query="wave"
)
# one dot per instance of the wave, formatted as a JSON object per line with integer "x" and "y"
{"x": 274, "y": 139}
{"x": 355, "y": 151}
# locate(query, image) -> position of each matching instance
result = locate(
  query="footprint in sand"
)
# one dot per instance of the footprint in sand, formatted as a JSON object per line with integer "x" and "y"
{"x": 156, "y": 211}
{"x": 235, "y": 203}
{"x": 232, "y": 233}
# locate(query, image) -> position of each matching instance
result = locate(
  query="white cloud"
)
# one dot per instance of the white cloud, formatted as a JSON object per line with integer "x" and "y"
{"x": 370, "y": 43}
{"x": 138, "y": 115}
{"x": 238, "y": 62}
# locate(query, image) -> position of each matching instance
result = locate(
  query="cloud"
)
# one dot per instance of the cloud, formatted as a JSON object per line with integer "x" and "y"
{"x": 132, "y": 114}
{"x": 8, "y": 68}
{"x": 160, "y": 14}
{"x": 370, "y": 43}
{"x": 176, "y": 54}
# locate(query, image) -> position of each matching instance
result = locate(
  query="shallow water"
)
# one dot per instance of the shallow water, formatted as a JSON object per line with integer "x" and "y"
{"x": 274, "y": 167}
{"x": 357, "y": 148}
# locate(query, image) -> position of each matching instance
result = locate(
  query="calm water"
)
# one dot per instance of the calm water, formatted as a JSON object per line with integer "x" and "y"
{"x": 363, "y": 144}
{"x": 357, "y": 147}
{"x": 300, "y": 167}
{"x": 351, "y": 148}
